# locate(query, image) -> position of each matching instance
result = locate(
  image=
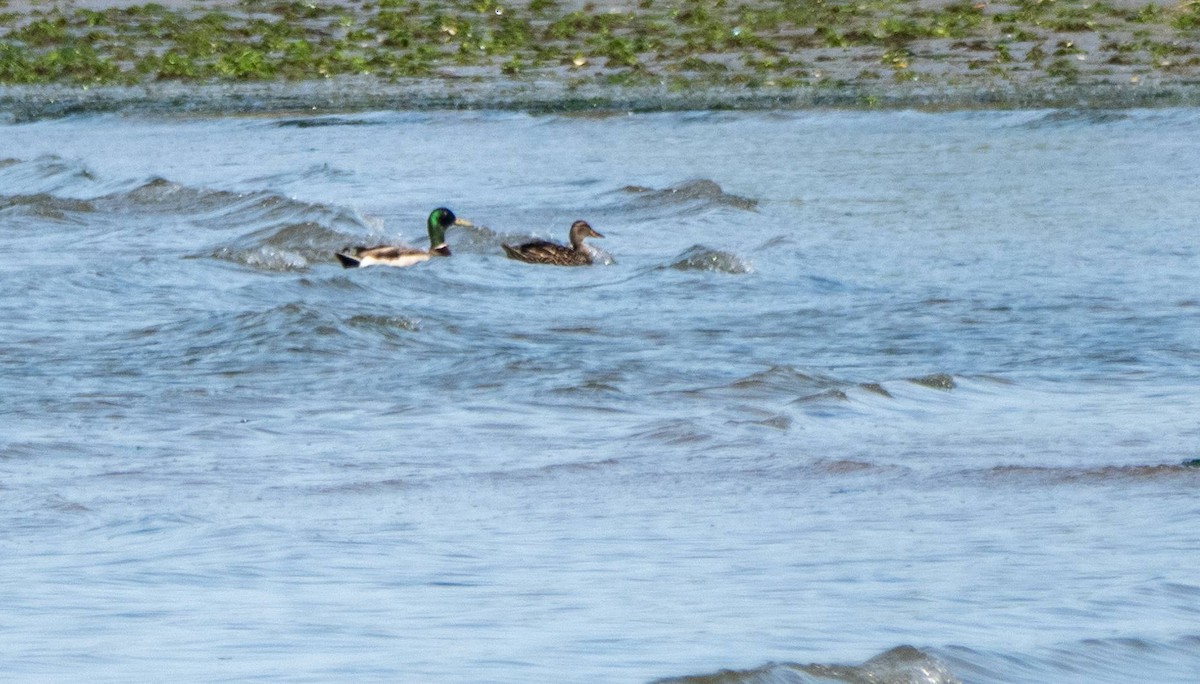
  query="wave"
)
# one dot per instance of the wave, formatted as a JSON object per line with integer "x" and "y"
{"x": 700, "y": 193}
{"x": 1189, "y": 469}
{"x": 900, "y": 665}
{"x": 799, "y": 387}
{"x": 264, "y": 230}
{"x": 479, "y": 238}
{"x": 223, "y": 209}
{"x": 325, "y": 121}
{"x": 260, "y": 229}
{"x": 1076, "y": 117}
{"x": 315, "y": 172}
{"x": 782, "y": 379}
{"x": 383, "y": 324}
{"x": 701, "y": 258}
{"x": 675, "y": 431}
{"x": 1123, "y": 659}
{"x": 47, "y": 174}
{"x": 778, "y": 396}
{"x": 275, "y": 233}
{"x": 291, "y": 247}
{"x": 249, "y": 341}
{"x": 843, "y": 467}
{"x": 280, "y": 331}
{"x": 565, "y": 469}
{"x": 280, "y": 234}
{"x": 367, "y": 487}
{"x": 45, "y": 207}
{"x": 941, "y": 381}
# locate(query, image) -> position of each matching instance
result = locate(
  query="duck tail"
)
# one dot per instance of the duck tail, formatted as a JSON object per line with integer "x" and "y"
{"x": 513, "y": 252}
{"x": 347, "y": 260}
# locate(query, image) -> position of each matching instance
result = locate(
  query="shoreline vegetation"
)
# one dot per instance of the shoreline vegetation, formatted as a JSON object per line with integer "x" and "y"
{"x": 319, "y": 56}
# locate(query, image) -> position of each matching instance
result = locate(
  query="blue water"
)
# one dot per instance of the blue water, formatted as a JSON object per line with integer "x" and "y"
{"x": 840, "y": 382}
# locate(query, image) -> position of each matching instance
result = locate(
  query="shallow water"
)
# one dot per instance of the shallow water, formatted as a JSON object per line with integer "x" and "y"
{"x": 842, "y": 382}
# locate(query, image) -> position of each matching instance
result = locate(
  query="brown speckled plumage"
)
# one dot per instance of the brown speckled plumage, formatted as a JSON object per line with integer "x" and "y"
{"x": 545, "y": 252}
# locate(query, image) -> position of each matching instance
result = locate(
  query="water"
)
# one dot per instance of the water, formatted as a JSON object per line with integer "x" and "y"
{"x": 844, "y": 383}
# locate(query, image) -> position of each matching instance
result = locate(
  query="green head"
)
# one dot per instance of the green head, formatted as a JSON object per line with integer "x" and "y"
{"x": 439, "y": 220}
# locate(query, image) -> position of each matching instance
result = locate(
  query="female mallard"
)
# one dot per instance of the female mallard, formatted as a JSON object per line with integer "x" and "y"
{"x": 397, "y": 255}
{"x": 544, "y": 252}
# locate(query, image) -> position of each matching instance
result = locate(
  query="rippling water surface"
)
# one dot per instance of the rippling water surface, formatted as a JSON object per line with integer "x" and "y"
{"x": 885, "y": 397}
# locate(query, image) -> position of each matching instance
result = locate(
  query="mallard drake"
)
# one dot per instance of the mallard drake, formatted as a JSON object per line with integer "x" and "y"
{"x": 545, "y": 252}
{"x": 399, "y": 255}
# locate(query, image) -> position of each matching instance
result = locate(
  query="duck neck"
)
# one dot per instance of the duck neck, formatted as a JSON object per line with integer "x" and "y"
{"x": 437, "y": 234}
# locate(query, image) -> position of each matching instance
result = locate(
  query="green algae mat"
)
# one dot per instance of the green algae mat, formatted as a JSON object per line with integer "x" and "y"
{"x": 767, "y": 47}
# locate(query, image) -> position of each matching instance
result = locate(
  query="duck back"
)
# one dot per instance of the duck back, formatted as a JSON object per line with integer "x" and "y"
{"x": 543, "y": 252}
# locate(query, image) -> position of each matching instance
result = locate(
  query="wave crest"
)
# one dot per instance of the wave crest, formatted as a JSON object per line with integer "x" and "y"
{"x": 44, "y": 174}
{"x": 44, "y": 206}
{"x": 699, "y": 193}
{"x": 291, "y": 247}
{"x": 701, "y": 258}
{"x": 1098, "y": 475}
{"x": 900, "y": 665}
